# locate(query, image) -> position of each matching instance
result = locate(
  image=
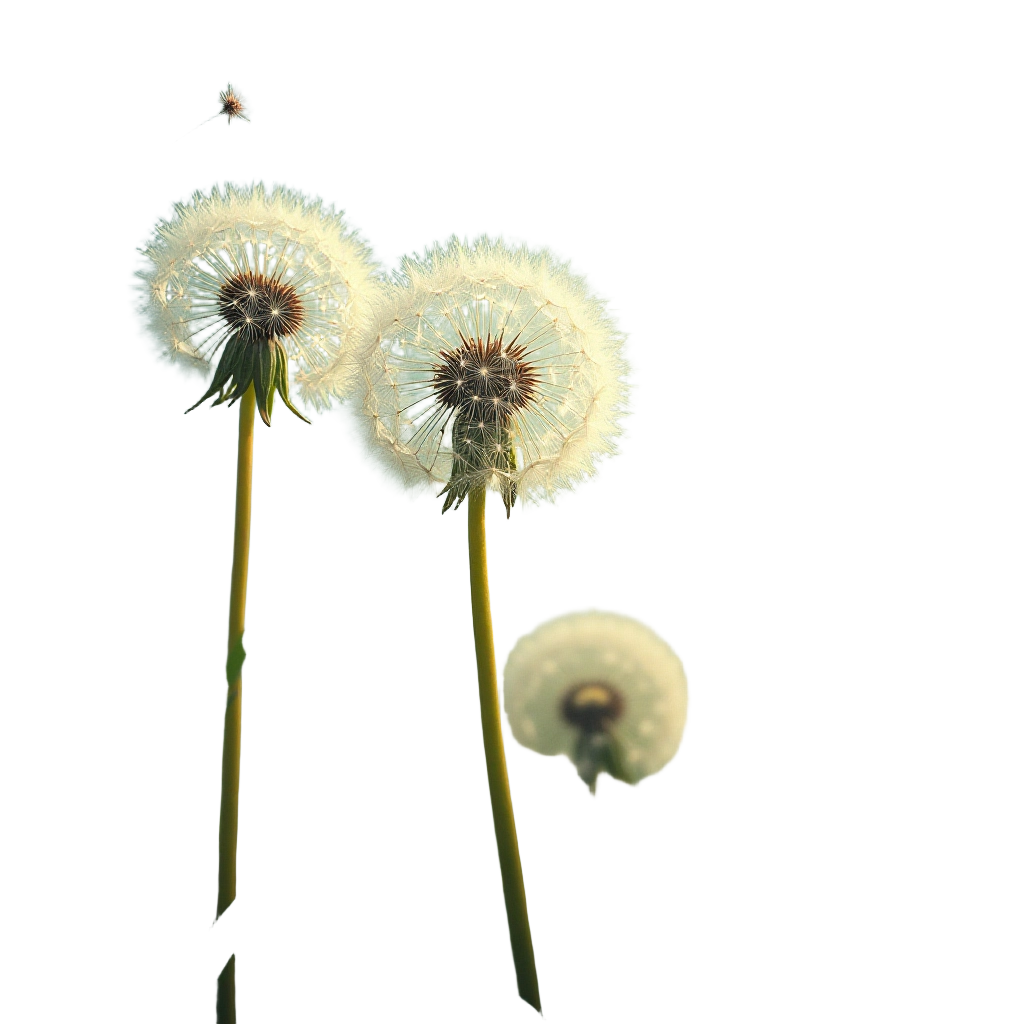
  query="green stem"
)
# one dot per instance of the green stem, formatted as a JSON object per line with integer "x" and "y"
{"x": 231, "y": 762}
{"x": 494, "y": 752}
{"x": 236, "y": 626}
{"x": 226, "y": 993}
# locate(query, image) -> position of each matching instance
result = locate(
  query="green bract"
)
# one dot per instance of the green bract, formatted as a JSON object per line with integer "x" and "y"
{"x": 480, "y": 449}
{"x": 262, "y": 363}
{"x": 595, "y": 753}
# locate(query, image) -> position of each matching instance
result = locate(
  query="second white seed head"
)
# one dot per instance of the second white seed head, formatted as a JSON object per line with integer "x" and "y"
{"x": 501, "y": 350}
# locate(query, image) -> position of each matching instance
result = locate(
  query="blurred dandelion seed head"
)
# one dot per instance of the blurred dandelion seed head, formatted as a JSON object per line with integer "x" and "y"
{"x": 601, "y": 688}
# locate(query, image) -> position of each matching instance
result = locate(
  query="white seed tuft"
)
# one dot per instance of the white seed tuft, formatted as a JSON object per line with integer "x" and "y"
{"x": 551, "y": 418}
{"x": 609, "y": 650}
{"x": 280, "y": 234}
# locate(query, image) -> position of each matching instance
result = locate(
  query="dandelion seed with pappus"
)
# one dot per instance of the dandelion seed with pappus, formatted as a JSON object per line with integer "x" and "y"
{"x": 490, "y": 367}
{"x": 265, "y": 283}
{"x": 232, "y": 104}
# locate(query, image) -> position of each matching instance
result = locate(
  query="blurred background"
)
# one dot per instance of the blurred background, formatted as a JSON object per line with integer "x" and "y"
{"x": 808, "y": 219}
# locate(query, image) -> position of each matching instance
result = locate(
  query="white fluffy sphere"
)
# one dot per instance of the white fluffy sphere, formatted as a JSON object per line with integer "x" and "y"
{"x": 539, "y": 321}
{"x": 279, "y": 233}
{"x": 633, "y": 656}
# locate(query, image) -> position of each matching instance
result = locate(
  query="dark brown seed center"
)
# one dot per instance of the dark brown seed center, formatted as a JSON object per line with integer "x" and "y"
{"x": 488, "y": 380}
{"x": 592, "y": 706}
{"x": 259, "y": 307}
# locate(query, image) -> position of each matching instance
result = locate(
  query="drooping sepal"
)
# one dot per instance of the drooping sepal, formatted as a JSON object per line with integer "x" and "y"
{"x": 507, "y": 482}
{"x": 229, "y": 361}
{"x": 281, "y": 379}
{"x": 263, "y": 378}
{"x": 263, "y": 363}
{"x": 598, "y": 752}
{"x": 243, "y": 372}
{"x": 482, "y": 451}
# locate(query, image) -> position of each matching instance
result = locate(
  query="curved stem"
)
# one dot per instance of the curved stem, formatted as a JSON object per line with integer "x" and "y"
{"x": 494, "y": 752}
{"x": 236, "y": 627}
{"x": 231, "y": 762}
{"x": 230, "y": 776}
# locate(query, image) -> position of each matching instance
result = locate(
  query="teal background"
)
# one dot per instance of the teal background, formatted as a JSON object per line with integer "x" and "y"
{"x": 807, "y": 218}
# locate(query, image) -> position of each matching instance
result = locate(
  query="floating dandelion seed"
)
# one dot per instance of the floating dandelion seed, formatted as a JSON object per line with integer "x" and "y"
{"x": 231, "y": 104}
{"x": 601, "y": 688}
{"x": 490, "y": 366}
{"x": 265, "y": 280}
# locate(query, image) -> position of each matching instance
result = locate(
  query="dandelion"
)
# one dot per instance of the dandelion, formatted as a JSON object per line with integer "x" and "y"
{"x": 232, "y": 104}
{"x": 600, "y": 688}
{"x": 487, "y": 367}
{"x": 267, "y": 281}
{"x": 491, "y": 366}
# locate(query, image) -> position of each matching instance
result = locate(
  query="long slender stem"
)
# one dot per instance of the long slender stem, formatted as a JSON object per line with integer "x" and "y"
{"x": 494, "y": 752}
{"x": 231, "y": 763}
{"x": 236, "y": 626}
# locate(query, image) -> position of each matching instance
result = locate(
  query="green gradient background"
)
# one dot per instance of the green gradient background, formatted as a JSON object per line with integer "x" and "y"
{"x": 807, "y": 218}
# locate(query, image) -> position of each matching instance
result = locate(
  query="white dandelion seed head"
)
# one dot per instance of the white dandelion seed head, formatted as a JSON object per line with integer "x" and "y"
{"x": 604, "y": 664}
{"x": 240, "y": 234}
{"x": 505, "y": 343}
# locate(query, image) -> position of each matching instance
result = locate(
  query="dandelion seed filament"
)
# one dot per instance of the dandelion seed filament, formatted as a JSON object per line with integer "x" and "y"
{"x": 501, "y": 376}
{"x": 260, "y": 307}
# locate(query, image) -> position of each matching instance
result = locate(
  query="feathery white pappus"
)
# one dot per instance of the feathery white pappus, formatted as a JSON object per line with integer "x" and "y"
{"x": 489, "y": 365}
{"x": 275, "y": 265}
{"x": 601, "y": 688}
